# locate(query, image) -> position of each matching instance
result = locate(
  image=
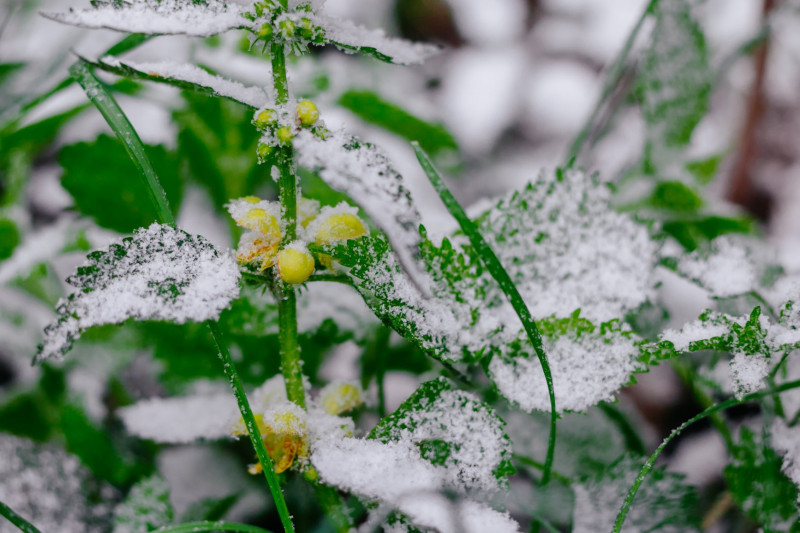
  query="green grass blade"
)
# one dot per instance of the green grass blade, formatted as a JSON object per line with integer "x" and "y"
{"x": 500, "y": 275}
{"x": 252, "y": 428}
{"x": 119, "y": 123}
{"x": 648, "y": 465}
{"x": 22, "y": 524}
{"x": 192, "y": 527}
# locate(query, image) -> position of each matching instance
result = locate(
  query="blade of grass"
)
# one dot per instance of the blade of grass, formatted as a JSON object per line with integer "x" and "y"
{"x": 22, "y": 524}
{"x": 122, "y": 127}
{"x": 500, "y": 275}
{"x": 648, "y": 465}
{"x": 191, "y": 527}
{"x": 119, "y": 123}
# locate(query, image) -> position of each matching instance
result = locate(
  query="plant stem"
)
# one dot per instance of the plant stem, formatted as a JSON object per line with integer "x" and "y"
{"x": 687, "y": 374}
{"x": 252, "y": 427}
{"x": 191, "y": 527}
{"x": 648, "y": 465}
{"x": 22, "y": 524}
{"x": 498, "y": 272}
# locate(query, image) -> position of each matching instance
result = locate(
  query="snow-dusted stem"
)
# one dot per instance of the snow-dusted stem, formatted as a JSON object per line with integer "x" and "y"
{"x": 291, "y": 364}
{"x": 21, "y": 524}
{"x": 252, "y": 428}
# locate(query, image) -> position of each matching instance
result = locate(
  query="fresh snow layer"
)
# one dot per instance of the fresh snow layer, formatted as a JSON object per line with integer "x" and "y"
{"x": 252, "y": 96}
{"x": 161, "y": 273}
{"x": 786, "y": 441}
{"x": 727, "y": 270}
{"x": 748, "y": 373}
{"x": 164, "y": 17}
{"x": 400, "y": 51}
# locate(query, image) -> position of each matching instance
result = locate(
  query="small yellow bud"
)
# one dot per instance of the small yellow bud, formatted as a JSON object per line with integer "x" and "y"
{"x": 307, "y": 211}
{"x": 265, "y": 32}
{"x": 263, "y": 151}
{"x": 307, "y": 113}
{"x": 251, "y": 199}
{"x": 287, "y": 28}
{"x": 340, "y": 227}
{"x": 265, "y": 119}
{"x": 306, "y": 28}
{"x": 338, "y": 398}
{"x": 259, "y": 220}
{"x": 295, "y": 266}
{"x": 284, "y": 134}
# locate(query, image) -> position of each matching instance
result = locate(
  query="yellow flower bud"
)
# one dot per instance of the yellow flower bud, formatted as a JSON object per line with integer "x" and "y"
{"x": 259, "y": 220}
{"x": 307, "y": 211}
{"x": 294, "y": 265}
{"x": 251, "y": 199}
{"x": 340, "y": 227}
{"x": 265, "y": 32}
{"x": 337, "y": 398}
{"x": 287, "y": 28}
{"x": 263, "y": 151}
{"x": 307, "y": 113}
{"x": 284, "y": 134}
{"x": 265, "y": 119}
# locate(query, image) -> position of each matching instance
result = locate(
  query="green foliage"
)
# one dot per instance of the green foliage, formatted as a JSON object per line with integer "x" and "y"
{"x": 757, "y": 484}
{"x": 9, "y": 238}
{"x": 693, "y": 232}
{"x": 675, "y": 196}
{"x": 107, "y": 187}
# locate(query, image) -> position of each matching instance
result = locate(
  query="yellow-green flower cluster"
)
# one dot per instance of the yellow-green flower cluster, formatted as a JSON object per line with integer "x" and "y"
{"x": 279, "y": 126}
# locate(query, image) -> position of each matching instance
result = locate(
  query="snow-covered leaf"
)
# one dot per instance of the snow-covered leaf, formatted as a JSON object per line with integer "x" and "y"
{"x": 160, "y": 273}
{"x": 455, "y": 430}
{"x": 351, "y": 37}
{"x": 364, "y": 172}
{"x": 662, "y": 504}
{"x": 589, "y": 363}
{"x": 726, "y": 267}
{"x": 146, "y": 508}
{"x": 163, "y": 17}
{"x": 188, "y": 76}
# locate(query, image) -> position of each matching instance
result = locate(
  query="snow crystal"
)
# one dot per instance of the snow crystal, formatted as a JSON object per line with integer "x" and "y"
{"x": 160, "y": 273}
{"x": 164, "y": 17}
{"x": 51, "y": 488}
{"x": 353, "y": 36}
{"x": 726, "y": 270}
{"x": 586, "y": 369}
{"x": 693, "y": 332}
{"x": 181, "y": 420}
{"x": 439, "y": 513}
{"x": 748, "y": 373}
{"x": 364, "y": 173}
{"x": 248, "y": 95}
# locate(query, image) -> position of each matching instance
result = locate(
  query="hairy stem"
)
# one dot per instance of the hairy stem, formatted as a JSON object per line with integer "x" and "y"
{"x": 498, "y": 272}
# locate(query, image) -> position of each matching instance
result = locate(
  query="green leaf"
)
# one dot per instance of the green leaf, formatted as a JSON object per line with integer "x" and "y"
{"x": 692, "y": 233}
{"x": 9, "y": 238}
{"x": 704, "y": 170}
{"x": 675, "y": 80}
{"x": 758, "y": 485}
{"x": 675, "y": 196}
{"x": 370, "y": 107}
{"x": 453, "y": 429}
{"x": 146, "y": 507}
{"x": 107, "y": 186}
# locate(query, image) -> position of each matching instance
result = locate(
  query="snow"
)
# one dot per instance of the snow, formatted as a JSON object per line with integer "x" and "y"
{"x": 347, "y": 33}
{"x": 586, "y": 369}
{"x": 248, "y": 95}
{"x": 786, "y": 441}
{"x": 693, "y": 332}
{"x": 490, "y": 23}
{"x": 727, "y": 269}
{"x": 164, "y": 17}
{"x": 748, "y": 373}
{"x": 160, "y": 273}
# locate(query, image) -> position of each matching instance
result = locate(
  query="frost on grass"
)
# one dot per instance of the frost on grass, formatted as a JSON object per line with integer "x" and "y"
{"x": 662, "y": 504}
{"x": 726, "y": 269}
{"x": 351, "y": 37}
{"x": 50, "y": 487}
{"x": 146, "y": 508}
{"x": 163, "y": 17}
{"x": 160, "y": 273}
{"x": 589, "y": 364}
{"x": 364, "y": 173}
{"x": 186, "y": 74}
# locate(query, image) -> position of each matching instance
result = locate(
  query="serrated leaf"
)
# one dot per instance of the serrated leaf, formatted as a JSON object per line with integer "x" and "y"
{"x": 757, "y": 484}
{"x": 160, "y": 273}
{"x": 455, "y": 430}
{"x": 370, "y": 107}
{"x": 107, "y": 186}
{"x": 146, "y": 508}
{"x": 664, "y": 503}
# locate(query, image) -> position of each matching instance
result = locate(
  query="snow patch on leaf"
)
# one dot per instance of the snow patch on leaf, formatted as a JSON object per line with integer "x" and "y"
{"x": 727, "y": 269}
{"x": 160, "y": 273}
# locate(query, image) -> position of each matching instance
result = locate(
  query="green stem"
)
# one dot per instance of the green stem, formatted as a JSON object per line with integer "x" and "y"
{"x": 291, "y": 364}
{"x": 330, "y": 500}
{"x": 633, "y": 441}
{"x": 687, "y": 374}
{"x": 252, "y": 427}
{"x": 498, "y": 272}
{"x": 191, "y": 527}
{"x": 527, "y": 461}
{"x": 279, "y": 80}
{"x": 22, "y": 524}
{"x": 648, "y": 466}
{"x": 612, "y": 79}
